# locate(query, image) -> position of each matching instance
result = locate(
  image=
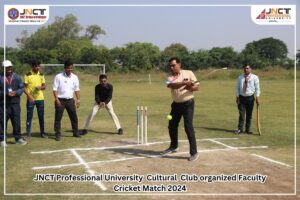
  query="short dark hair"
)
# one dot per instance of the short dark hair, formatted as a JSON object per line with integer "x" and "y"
{"x": 174, "y": 58}
{"x": 35, "y": 63}
{"x": 102, "y": 76}
{"x": 68, "y": 63}
{"x": 246, "y": 66}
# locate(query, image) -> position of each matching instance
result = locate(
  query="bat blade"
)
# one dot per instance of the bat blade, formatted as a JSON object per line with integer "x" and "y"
{"x": 258, "y": 120}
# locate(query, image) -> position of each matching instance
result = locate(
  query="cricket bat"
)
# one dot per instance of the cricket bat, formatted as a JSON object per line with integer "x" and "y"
{"x": 258, "y": 120}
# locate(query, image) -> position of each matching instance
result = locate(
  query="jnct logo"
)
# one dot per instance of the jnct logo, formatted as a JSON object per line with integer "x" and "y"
{"x": 26, "y": 14}
{"x": 33, "y": 12}
{"x": 13, "y": 13}
{"x": 275, "y": 13}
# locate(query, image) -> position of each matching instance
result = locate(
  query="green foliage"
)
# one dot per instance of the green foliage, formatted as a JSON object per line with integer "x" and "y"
{"x": 139, "y": 56}
{"x": 266, "y": 51}
{"x": 93, "y": 31}
{"x": 174, "y": 50}
{"x": 71, "y": 49}
{"x": 62, "y": 41}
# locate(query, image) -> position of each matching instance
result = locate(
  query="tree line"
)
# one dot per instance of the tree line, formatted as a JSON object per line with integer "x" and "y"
{"x": 65, "y": 39}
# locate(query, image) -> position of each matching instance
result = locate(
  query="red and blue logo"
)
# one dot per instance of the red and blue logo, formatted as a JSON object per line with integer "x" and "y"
{"x": 13, "y": 13}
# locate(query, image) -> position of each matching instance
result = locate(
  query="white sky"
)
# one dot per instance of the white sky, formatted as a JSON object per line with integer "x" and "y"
{"x": 195, "y": 27}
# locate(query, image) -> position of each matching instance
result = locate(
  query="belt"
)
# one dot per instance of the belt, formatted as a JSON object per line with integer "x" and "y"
{"x": 247, "y": 96}
{"x": 188, "y": 101}
{"x": 65, "y": 99}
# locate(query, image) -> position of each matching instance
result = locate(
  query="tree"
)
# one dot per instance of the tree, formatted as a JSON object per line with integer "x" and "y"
{"x": 93, "y": 31}
{"x": 200, "y": 59}
{"x": 269, "y": 50}
{"x": 42, "y": 55}
{"x": 138, "y": 56}
{"x": 61, "y": 29}
{"x": 71, "y": 49}
{"x": 223, "y": 57}
{"x": 177, "y": 50}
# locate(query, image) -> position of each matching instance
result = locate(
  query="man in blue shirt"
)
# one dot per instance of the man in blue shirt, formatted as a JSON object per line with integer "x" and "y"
{"x": 12, "y": 92}
{"x": 247, "y": 86}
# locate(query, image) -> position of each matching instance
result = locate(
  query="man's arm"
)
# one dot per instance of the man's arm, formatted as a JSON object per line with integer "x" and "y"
{"x": 30, "y": 98}
{"x": 237, "y": 91}
{"x": 109, "y": 96}
{"x": 57, "y": 102}
{"x": 257, "y": 90}
{"x": 20, "y": 89}
{"x": 77, "y": 94}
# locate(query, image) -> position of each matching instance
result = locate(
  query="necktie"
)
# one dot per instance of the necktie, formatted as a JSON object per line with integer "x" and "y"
{"x": 247, "y": 78}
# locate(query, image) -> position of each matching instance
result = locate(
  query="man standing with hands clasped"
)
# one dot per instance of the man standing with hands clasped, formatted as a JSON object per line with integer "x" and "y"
{"x": 182, "y": 84}
{"x": 12, "y": 92}
{"x": 247, "y": 86}
{"x": 64, "y": 85}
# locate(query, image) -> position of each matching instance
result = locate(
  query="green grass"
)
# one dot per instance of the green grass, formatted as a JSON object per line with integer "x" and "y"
{"x": 215, "y": 116}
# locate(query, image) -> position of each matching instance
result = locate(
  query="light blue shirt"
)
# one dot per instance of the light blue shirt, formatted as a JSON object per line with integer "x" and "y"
{"x": 252, "y": 88}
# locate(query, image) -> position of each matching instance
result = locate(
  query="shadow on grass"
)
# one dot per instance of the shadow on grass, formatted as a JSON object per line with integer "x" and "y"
{"x": 144, "y": 153}
{"x": 92, "y": 131}
{"x": 216, "y": 129}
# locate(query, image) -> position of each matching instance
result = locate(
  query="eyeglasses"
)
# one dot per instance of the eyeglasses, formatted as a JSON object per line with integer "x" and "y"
{"x": 173, "y": 65}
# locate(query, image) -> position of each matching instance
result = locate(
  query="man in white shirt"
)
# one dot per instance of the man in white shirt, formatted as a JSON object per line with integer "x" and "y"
{"x": 64, "y": 86}
{"x": 247, "y": 86}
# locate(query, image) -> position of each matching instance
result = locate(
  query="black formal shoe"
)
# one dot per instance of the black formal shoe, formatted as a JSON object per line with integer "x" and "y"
{"x": 57, "y": 137}
{"x": 44, "y": 135}
{"x": 76, "y": 135}
{"x": 83, "y": 132}
{"x": 249, "y": 132}
{"x": 169, "y": 151}
{"x": 120, "y": 131}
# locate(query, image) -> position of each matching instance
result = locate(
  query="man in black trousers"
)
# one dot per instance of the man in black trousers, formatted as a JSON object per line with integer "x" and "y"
{"x": 12, "y": 92}
{"x": 182, "y": 84}
{"x": 64, "y": 86}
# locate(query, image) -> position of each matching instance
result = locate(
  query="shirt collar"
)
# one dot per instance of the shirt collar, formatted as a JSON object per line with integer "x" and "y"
{"x": 35, "y": 73}
{"x": 64, "y": 73}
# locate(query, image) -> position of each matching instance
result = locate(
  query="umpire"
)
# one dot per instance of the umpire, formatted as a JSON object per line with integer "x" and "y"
{"x": 247, "y": 85}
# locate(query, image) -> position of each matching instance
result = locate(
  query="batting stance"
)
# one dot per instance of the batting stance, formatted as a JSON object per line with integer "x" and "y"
{"x": 247, "y": 85}
{"x": 182, "y": 84}
{"x": 103, "y": 96}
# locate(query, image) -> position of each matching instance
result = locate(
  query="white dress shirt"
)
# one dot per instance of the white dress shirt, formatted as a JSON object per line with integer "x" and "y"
{"x": 65, "y": 85}
{"x": 253, "y": 86}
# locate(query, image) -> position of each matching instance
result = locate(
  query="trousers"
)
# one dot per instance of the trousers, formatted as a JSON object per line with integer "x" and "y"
{"x": 110, "y": 110}
{"x": 40, "y": 111}
{"x": 245, "y": 108}
{"x": 185, "y": 109}
{"x": 69, "y": 105}
{"x": 13, "y": 112}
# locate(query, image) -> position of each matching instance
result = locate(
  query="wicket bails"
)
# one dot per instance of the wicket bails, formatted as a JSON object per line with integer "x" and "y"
{"x": 142, "y": 124}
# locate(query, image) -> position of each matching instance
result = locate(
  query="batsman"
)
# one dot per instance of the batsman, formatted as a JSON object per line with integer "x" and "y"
{"x": 247, "y": 91}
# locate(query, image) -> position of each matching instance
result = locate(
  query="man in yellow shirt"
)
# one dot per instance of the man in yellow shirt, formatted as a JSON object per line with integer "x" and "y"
{"x": 35, "y": 83}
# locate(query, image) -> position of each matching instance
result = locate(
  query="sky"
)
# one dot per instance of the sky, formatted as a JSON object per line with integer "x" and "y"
{"x": 196, "y": 27}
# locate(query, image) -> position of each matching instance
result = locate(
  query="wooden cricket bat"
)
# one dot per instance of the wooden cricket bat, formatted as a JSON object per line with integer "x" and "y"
{"x": 258, "y": 120}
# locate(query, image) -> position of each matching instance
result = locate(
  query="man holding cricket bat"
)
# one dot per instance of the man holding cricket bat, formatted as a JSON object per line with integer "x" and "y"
{"x": 182, "y": 84}
{"x": 247, "y": 86}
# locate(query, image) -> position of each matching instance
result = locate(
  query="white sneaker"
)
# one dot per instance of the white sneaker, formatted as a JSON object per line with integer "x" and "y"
{"x": 3, "y": 144}
{"x": 21, "y": 142}
{"x": 194, "y": 157}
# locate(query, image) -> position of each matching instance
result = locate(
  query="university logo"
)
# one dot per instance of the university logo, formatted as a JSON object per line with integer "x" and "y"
{"x": 13, "y": 13}
{"x": 274, "y": 14}
{"x": 26, "y": 14}
{"x": 262, "y": 15}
